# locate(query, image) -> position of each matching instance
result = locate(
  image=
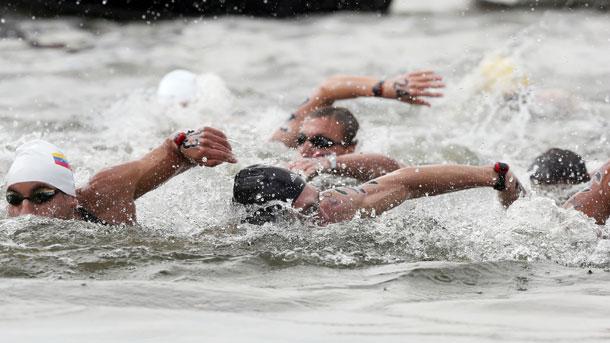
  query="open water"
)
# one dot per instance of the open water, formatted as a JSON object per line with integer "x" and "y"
{"x": 454, "y": 268}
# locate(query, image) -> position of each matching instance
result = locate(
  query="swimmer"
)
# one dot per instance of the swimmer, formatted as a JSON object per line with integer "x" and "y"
{"x": 178, "y": 86}
{"x": 41, "y": 182}
{"x": 558, "y": 174}
{"x": 325, "y": 135}
{"x": 559, "y": 166}
{"x": 564, "y": 168}
{"x": 594, "y": 200}
{"x": 258, "y": 185}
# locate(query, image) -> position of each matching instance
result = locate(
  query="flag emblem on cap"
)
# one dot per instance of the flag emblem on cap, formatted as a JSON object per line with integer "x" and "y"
{"x": 61, "y": 160}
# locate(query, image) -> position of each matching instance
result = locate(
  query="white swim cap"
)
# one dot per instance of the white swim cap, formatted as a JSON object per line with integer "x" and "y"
{"x": 179, "y": 86}
{"x": 41, "y": 161}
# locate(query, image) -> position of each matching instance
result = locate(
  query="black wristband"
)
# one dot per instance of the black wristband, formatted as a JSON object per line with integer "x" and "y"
{"x": 501, "y": 169}
{"x": 378, "y": 89}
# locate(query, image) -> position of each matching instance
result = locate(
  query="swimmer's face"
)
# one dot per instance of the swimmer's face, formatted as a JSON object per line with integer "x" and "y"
{"x": 42, "y": 200}
{"x": 322, "y": 136}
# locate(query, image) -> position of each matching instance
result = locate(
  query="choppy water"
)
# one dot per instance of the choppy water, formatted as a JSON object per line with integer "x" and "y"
{"x": 450, "y": 268}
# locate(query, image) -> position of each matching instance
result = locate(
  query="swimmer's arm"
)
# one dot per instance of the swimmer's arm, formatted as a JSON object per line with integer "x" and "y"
{"x": 129, "y": 181}
{"x": 335, "y": 88}
{"x": 360, "y": 166}
{"x": 288, "y": 133}
{"x": 110, "y": 194}
{"x": 365, "y": 167}
{"x": 407, "y": 87}
{"x": 386, "y": 192}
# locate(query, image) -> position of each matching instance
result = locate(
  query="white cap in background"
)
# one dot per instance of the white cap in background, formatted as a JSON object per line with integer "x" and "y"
{"x": 178, "y": 86}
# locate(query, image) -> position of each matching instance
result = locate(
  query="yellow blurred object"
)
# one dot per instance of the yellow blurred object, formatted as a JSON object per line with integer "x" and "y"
{"x": 499, "y": 73}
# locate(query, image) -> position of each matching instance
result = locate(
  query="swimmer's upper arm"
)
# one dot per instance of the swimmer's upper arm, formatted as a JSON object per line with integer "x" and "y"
{"x": 366, "y": 167}
{"x": 128, "y": 181}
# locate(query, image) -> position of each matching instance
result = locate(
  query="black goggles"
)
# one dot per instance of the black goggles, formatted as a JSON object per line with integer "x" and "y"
{"x": 317, "y": 141}
{"x": 38, "y": 196}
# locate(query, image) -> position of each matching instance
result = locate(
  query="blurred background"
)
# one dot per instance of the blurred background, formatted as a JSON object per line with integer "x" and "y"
{"x": 522, "y": 77}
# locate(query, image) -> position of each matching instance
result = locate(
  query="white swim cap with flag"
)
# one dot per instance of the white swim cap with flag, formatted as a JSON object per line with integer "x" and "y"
{"x": 41, "y": 161}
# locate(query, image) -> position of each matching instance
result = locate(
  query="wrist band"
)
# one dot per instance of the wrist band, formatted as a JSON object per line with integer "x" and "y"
{"x": 180, "y": 138}
{"x": 378, "y": 89}
{"x": 501, "y": 169}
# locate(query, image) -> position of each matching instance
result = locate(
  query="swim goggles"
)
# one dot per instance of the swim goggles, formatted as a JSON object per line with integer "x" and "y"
{"x": 38, "y": 196}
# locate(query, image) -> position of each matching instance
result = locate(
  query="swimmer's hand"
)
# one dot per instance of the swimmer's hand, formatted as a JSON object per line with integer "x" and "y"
{"x": 410, "y": 87}
{"x": 514, "y": 190}
{"x": 206, "y": 147}
{"x": 310, "y": 167}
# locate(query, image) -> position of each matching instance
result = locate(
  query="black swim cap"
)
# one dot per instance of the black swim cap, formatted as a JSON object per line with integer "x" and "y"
{"x": 559, "y": 166}
{"x": 258, "y": 184}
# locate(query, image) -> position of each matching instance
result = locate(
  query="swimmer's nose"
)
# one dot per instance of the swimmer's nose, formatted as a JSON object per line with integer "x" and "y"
{"x": 26, "y": 208}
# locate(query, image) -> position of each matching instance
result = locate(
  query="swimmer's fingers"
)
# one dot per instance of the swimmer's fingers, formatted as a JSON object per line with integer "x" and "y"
{"x": 209, "y": 143}
{"x": 217, "y": 135}
{"x": 301, "y": 165}
{"x": 212, "y": 137}
{"x": 414, "y": 101}
{"x": 214, "y": 131}
{"x": 210, "y": 134}
{"x": 298, "y": 165}
{"x": 427, "y": 84}
{"x": 422, "y": 73}
{"x": 425, "y": 75}
{"x": 215, "y": 155}
{"x": 426, "y": 78}
{"x": 213, "y": 163}
{"x": 417, "y": 92}
{"x": 205, "y": 156}
{"x": 308, "y": 167}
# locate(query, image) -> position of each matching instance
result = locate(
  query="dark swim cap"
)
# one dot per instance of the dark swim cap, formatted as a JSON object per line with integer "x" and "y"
{"x": 559, "y": 166}
{"x": 258, "y": 184}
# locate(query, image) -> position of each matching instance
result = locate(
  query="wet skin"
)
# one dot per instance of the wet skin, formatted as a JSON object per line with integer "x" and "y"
{"x": 60, "y": 206}
{"x": 328, "y": 128}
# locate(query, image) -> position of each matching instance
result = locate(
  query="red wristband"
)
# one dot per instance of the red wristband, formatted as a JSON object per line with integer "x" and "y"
{"x": 180, "y": 138}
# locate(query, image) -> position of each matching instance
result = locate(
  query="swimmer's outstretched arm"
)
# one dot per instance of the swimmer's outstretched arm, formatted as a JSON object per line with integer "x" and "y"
{"x": 110, "y": 194}
{"x": 409, "y": 88}
{"x": 386, "y": 192}
{"x": 360, "y": 166}
{"x": 594, "y": 201}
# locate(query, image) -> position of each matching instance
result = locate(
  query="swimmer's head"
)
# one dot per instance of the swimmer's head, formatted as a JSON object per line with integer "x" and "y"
{"x": 40, "y": 182}
{"x": 558, "y": 166}
{"x": 501, "y": 74}
{"x": 178, "y": 86}
{"x": 260, "y": 185}
{"x": 328, "y": 130}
